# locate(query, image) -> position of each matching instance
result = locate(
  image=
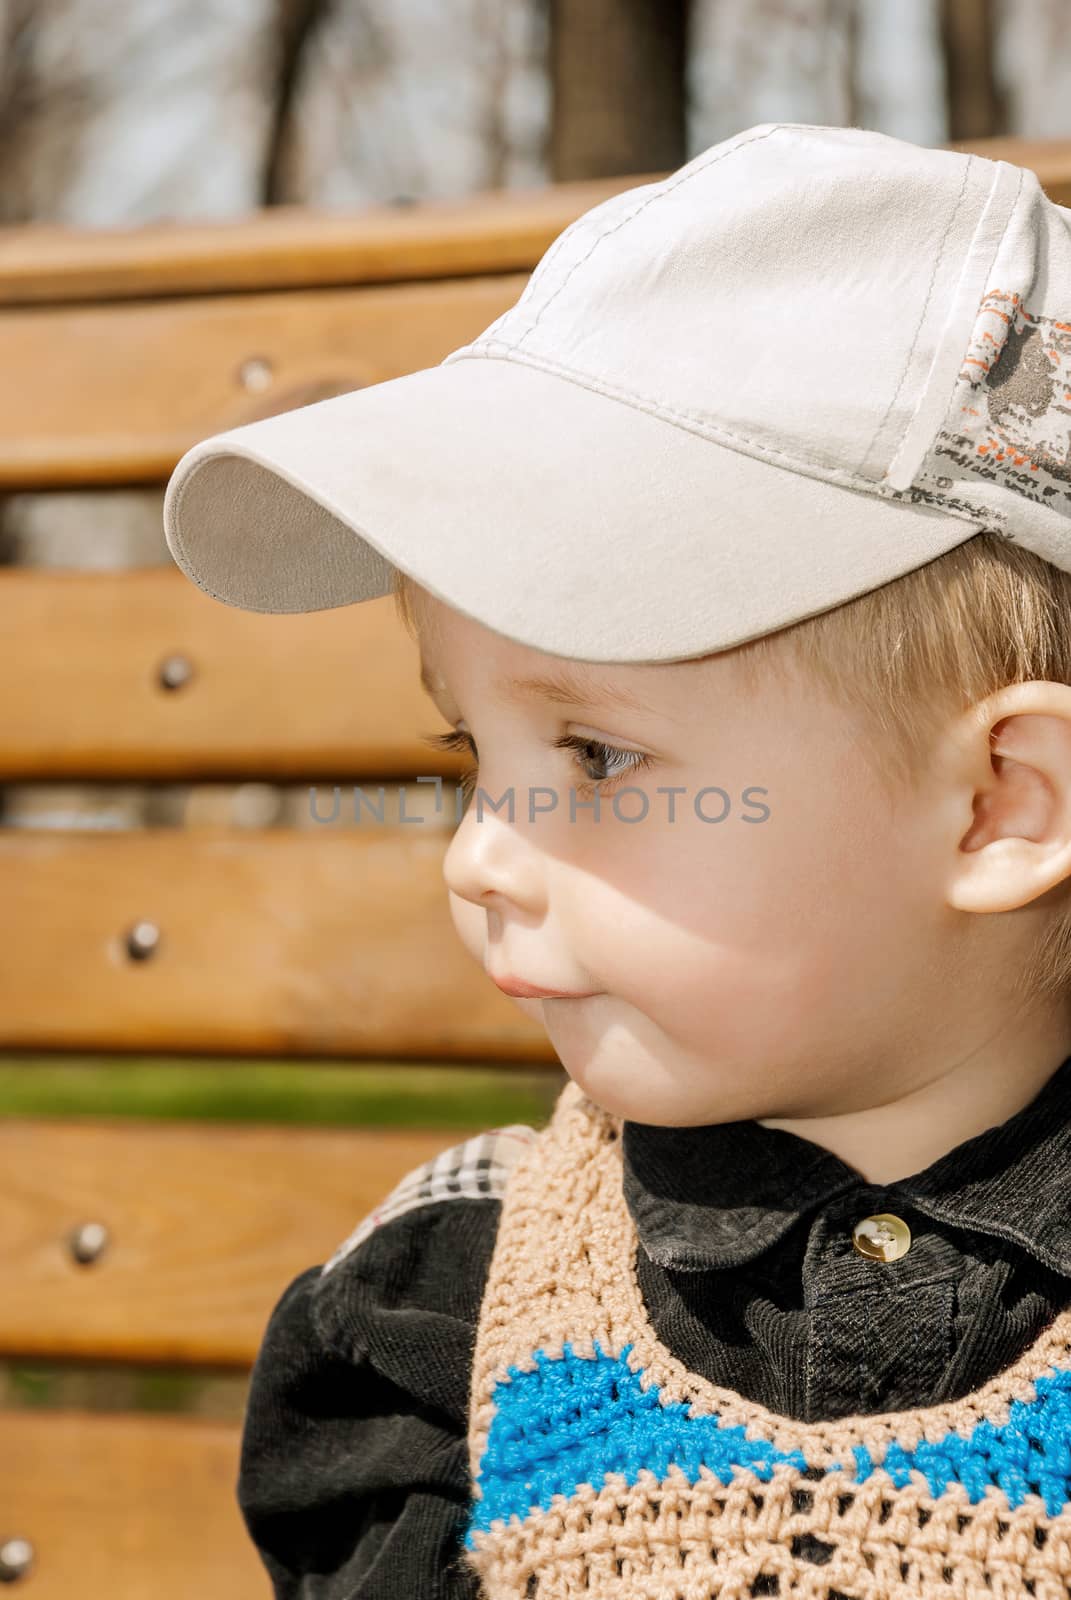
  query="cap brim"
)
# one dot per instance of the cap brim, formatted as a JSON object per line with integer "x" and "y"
{"x": 558, "y": 516}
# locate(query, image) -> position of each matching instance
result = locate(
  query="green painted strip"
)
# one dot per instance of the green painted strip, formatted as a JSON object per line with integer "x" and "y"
{"x": 384, "y": 1094}
{"x": 108, "y": 1386}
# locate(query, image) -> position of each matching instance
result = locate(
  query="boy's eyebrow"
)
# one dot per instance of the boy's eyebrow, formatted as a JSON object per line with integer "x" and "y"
{"x": 565, "y": 687}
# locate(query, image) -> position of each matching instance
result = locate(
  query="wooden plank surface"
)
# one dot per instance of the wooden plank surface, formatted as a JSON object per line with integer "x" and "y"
{"x": 207, "y": 1224}
{"x": 333, "y": 695}
{"x": 124, "y": 1507}
{"x": 500, "y": 231}
{"x": 116, "y": 393}
{"x": 329, "y": 942}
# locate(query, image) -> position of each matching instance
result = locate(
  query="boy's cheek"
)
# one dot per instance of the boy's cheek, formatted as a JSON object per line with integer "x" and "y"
{"x": 471, "y": 924}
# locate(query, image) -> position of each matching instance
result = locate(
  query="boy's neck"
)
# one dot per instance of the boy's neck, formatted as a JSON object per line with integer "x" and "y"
{"x": 888, "y": 1142}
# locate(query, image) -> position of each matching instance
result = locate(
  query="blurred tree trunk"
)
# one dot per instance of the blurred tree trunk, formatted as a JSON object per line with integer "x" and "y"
{"x": 297, "y": 21}
{"x": 617, "y": 75}
{"x": 968, "y": 34}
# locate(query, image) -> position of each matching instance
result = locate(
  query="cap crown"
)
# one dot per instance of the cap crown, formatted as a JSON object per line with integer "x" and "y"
{"x": 849, "y": 305}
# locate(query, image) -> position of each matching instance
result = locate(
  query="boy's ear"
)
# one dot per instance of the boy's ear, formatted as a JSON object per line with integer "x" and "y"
{"x": 1013, "y": 760}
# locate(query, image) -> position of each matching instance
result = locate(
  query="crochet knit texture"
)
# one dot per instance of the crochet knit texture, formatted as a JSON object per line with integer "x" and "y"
{"x": 603, "y": 1468}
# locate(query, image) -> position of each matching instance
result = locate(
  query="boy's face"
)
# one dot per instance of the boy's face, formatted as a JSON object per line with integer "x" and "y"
{"x": 748, "y": 967}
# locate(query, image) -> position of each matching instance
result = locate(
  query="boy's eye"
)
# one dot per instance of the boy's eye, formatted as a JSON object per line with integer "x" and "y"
{"x": 588, "y": 753}
{"x": 595, "y": 753}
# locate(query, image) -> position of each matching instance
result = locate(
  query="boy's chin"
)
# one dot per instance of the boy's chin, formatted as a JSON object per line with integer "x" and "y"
{"x": 531, "y": 1008}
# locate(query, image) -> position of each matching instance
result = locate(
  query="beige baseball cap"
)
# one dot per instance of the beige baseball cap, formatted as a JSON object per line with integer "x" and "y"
{"x": 807, "y": 362}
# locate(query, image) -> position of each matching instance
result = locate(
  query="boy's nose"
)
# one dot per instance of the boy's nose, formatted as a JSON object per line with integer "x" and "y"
{"x": 489, "y": 861}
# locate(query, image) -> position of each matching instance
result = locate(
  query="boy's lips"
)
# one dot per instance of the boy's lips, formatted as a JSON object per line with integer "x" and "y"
{"x": 532, "y": 991}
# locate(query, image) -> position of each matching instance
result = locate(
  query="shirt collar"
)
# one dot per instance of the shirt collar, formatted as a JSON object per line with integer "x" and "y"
{"x": 720, "y": 1194}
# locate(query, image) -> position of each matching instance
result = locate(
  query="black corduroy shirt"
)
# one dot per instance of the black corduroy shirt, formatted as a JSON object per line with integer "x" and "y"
{"x": 354, "y": 1477}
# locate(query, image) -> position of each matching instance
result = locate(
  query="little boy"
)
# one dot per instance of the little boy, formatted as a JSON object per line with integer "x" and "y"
{"x": 739, "y": 556}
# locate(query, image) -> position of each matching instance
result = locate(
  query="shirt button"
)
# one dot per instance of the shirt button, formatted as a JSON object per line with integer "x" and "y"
{"x": 882, "y": 1237}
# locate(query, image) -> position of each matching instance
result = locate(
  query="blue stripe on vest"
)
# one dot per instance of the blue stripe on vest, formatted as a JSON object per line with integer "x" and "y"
{"x": 575, "y": 1419}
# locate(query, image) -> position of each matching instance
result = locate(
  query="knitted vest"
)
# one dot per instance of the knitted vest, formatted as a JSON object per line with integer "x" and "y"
{"x": 603, "y": 1469}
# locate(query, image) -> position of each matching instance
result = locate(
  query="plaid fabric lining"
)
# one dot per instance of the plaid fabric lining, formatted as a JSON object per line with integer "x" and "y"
{"x": 474, "y": 1170}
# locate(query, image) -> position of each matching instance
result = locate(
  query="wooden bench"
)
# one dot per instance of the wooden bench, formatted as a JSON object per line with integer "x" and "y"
{"x": 160, "y": 1242}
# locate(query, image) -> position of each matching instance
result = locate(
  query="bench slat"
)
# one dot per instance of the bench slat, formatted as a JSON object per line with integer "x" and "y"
{"x": 502, "y": 230}
{"x": 329, "y": 941}
{"x": 332, "y": 694}
{"x": 116, "y": 393}
{"x": 123, "y": 1507}
{"x": 207, "y": 1224}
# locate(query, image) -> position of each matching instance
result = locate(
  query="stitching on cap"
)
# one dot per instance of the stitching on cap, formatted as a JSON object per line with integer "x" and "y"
{"x": 528, "y": 292}
{"x": 985, "y": 280}
{"x": 662, "y": 189}
{"x": 711, "y": 429}
{"x": 922, "y": 317}
{"x": 180, "y": 495}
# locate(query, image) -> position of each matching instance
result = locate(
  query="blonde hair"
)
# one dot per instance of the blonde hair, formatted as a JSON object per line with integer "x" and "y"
{"x": 921, "y": 648}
